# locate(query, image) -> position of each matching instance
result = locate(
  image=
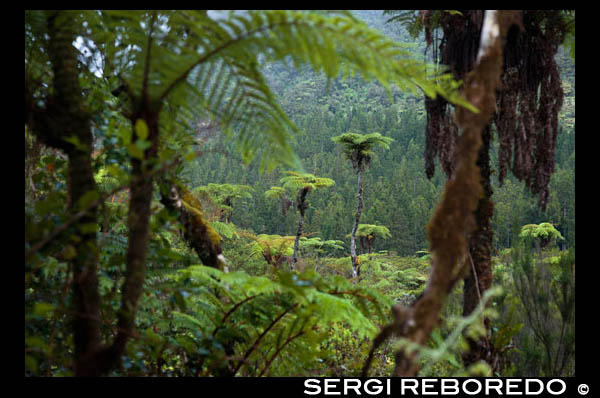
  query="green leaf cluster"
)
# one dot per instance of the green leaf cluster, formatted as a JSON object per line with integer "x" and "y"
{"x": 373, "y": 231}
{"x": 275, "y": 324}
{"x": 358, "y": 148}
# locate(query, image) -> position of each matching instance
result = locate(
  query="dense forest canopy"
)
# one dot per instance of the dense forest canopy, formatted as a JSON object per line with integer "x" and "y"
{"x": 248, "y": 193}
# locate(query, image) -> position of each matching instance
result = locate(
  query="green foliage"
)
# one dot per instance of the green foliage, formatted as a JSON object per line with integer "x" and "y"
{"x": 249, "y": 76}
{"x": 402, "y": 278}
{"x": 275, "y": 193}
{"x": 445, "y": 350}
{"x": 318, "y": 246}
{"x": 545, "y": 233}
{"x": 276, "y": 325}
{"x": 227, "y": 192}
{"x": 373, "y": 231}
{"x": 272, "y": 247}
{"x": 358, "y": 148}
{"x": 547, "y": 294}
{"x": 226, "y": 230}
{"x": 304, "y": 181}
{"x": 224, "y": 195}
{"x": 210, "y": 63}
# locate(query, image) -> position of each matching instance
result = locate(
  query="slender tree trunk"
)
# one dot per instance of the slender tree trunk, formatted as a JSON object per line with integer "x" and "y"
{"x": 138, "y": 226}
{"x": 355, "y": 268}
{"x": 301, "y": 208}
{"x": 297, "y": 241}
{"x": 480, "y": 245}
{"x": 230, "y": 214}
{"x": 103, "y": 360}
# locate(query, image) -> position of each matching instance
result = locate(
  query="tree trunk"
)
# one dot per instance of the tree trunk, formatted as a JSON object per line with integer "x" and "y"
{"x": 480, "y": 245}
{"x": 230, "y": 214}
{"x": 453, "y": 220}
{"x": 138, "y": 225}
{"x": 297, "y": 241}
{"x": 302, "y": 205}
{"x": 199, "y": 235}
{"x": 103, "y": 360}
{"x": 64, "y": 117}
{"x": 355, "y": 267}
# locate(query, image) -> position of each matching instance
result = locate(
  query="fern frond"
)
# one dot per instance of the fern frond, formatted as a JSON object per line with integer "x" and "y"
{"x": 371, "y": 230}
{"x": 212, "y": 61}
{"x": 275, "y": 193}
{"x": 295, "y": 181}
{"x": 226, "y": 230}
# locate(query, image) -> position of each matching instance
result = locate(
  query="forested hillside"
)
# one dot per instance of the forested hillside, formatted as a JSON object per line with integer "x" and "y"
{"x": 300, "y": 193}
{"x": 396, "y": 190}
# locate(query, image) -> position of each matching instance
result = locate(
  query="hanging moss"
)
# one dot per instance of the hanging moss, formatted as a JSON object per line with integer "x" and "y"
{"x": 454, "y": 219}
{"x": 527, "y": 103}
{"x": 458, "y": 50}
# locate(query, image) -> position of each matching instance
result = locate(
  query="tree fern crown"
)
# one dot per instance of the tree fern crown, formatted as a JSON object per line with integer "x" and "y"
{"x": 358, "y": 148}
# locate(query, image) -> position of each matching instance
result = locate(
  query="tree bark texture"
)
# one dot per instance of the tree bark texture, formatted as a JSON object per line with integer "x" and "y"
{"x": 480, "y": 248}
{"x": 205, "y": 241}
{"x": 355, "y": 265}
{"x": 65, "y": 117}
{"x": 104, "y": 359}
{"x": 454, "y": 220}
{"x": 302, "y": 206}
{"x": 138, "y": 225}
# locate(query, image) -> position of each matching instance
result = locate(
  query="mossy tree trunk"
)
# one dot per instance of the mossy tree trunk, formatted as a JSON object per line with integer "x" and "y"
{"x": 479, "y": 264}
{"x": 454, "y": 219}
{"x": 197, "y": 232}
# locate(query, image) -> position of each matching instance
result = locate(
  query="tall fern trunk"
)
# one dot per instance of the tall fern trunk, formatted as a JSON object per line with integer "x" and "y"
{"x": 480, "y": 250}
{"x": 302, "y": 206}
{"x": 70, "y": 119}
{"x": 355, "y": 267}
{"x": 297, "y": 241}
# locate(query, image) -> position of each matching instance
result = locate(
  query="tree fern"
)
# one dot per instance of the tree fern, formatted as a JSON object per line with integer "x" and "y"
{"x": 317, "y": 245}
{"x": 272, "y": 321}
{"x": 358, "y": 148}
{"x": 273, "y": 248}
{"x": 209, "y": 63}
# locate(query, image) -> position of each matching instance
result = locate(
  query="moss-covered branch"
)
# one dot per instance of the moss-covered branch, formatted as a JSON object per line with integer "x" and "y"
{"x": 198, "y": 233}
{"x": 454, "y": 221}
